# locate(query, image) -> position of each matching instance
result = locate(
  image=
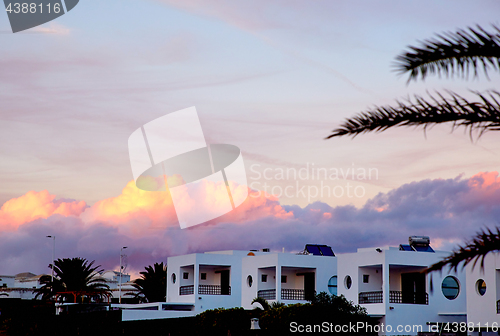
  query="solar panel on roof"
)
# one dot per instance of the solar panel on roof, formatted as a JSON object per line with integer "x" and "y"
{"x": 326, "y": 251}
{"x": 404, "y": 247}
{"x": 423, "y": 248}
{"x": 314, "y": 249}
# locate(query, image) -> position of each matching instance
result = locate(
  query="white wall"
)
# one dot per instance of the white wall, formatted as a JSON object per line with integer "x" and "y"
{"x": 208, "y": 263}
{"x": 277, "y": 264}
{"x": 483, "y": 309}
{"x": 7, "y": 281}
{"x": 293, "y": 280}
{"x": 271, "y": 278}
{"x": 374, "y": 278}
{"x": 393, "y": 262}
{"x": 189, "y": 270}
{"x": 174, "y": 267}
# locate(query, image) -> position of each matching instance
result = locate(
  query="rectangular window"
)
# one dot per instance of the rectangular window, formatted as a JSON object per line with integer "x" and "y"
{"x": 203, "y": 276}
{"x": 366, "y": 278}
{"x": 283, "y": 279}
{"x": 185, "y": 275}
{"x": 264, "y": 277}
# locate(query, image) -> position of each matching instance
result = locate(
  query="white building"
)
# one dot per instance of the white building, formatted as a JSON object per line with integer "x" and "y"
{"x": 388, "y": 282}
{"x": 226, "y": 279}
{"x": 483, "y": 294}
{"x": 19, "y": 286}
{"x": 195, "y": 282}
{"x": 205, "y": 280}
{"x": 23, "y": 284}
{"x": 285, "y": 277}
{"x": 112, "y": 279}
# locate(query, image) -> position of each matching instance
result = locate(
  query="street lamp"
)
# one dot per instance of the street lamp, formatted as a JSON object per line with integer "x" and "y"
{"x": 53, "y": 256}
{"x": 120, "y": 287}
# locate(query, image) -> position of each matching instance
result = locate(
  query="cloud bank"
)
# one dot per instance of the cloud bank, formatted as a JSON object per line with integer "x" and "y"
{"x": 447, "y": 210}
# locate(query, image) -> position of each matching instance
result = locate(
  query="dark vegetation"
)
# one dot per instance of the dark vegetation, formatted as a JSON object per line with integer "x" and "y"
{"x": 35, "y": 317}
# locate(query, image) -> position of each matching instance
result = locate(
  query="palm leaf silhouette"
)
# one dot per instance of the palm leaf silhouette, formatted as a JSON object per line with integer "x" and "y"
{"x": 475, "y": 250}
{"x": 482, "y": 115}
{"x": 452, "y": 53}
{"x": 152, "y": 285}
{"x": 75, "y": 274}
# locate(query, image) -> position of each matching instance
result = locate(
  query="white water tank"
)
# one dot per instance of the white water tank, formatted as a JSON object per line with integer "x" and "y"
{"x": 419, "y": 241}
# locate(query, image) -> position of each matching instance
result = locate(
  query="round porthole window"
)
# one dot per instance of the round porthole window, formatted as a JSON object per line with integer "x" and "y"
{"x": 450, "y": 287}
{"x": 173, "y": 278}
{"x": 481, "y": 287}
{"x": 332, "y": 285}
{"x": 249, "y": 281}
{"x": 347, "y": 282}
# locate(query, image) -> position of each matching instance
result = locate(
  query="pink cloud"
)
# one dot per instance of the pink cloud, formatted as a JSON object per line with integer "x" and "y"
{"x": 34, "y": 205}
{"x": 449, "y": 211}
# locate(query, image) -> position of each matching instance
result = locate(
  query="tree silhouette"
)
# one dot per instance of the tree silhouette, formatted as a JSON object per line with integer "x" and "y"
{"x": 451, "y": 54}
{"x": 73, "y": 278}
{"x": 484, "y": 242}
{"x": 152, "y": 285}
{"x": 265, "y": 305}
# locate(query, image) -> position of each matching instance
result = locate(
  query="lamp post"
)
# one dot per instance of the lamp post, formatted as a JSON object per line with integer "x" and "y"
{"x": 120, "y": 287}
{"x": 53, "y": 256}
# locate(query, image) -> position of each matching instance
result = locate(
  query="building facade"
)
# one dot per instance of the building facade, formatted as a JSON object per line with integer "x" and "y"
{"x": 483, "y": 294}
{"x": 389, "y": 283}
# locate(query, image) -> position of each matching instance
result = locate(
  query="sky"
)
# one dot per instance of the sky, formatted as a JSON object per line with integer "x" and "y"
{"x": 271, "y": 77}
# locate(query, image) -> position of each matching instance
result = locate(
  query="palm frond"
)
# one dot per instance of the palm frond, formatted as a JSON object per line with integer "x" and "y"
{"x": 72, "y": 274}
{"x": 152, "y": 285}
{"x": 263, "y": 302}
{"x": 452, "y": 53}
{"x": 277, "y": 304}
{"x": 484, "y": 242}
{"x": 482, "y": 115}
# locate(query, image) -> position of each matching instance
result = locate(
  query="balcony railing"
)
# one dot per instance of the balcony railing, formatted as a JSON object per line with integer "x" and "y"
{"x": 186, "y": 290}
{"x": 414, "y": 298}
{"x": 370, "y": 297}
{"x": 498, "y": 307}
{"x": 396, "y": 297}
{"x": 205, "y": 290}
{"x": 268, "y": 294}
{"x": 213, "y": 290}
{"x": 286, "y": 294}
{"x": 292, "y": 294}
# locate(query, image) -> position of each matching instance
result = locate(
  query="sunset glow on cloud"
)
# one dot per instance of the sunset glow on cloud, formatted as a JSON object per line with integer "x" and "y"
{"x": 447, "y": 210}
{"x": 34, "y": 205}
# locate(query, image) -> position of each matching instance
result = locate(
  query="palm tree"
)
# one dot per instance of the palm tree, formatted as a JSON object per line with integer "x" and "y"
{"x": 263, "y": 302}
{"x": 152, "y": 285}
{"x": 265, "y": 305}
{"x": 484, "y": 242}
{"x": 451, "y": 54}
{"x": 73, "y": 278}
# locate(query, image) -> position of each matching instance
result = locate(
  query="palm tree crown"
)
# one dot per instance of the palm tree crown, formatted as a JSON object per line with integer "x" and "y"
{"x": 75, "y": 275}
{"x": 152, "y": 285}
